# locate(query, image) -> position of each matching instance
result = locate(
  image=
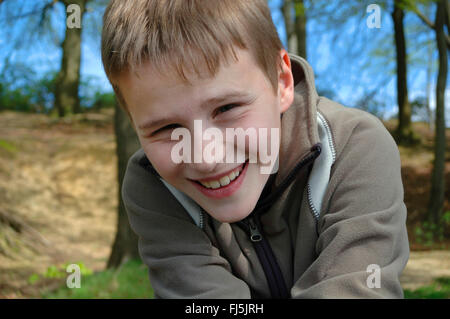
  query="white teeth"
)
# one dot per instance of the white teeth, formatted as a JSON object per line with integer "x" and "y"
{"x": 224, "y": 181}
{"x": 214, "y": 184}
{"x": 206, "y": 184}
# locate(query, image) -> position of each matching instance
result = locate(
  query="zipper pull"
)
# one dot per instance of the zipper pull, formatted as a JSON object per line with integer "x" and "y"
{"x": 255, "y": 234}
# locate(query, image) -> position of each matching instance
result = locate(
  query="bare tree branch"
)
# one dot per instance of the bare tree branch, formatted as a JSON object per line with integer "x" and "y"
{"x": 447, "y": 17}
{"x": 423, "y": 17}
{"x": 430, "y": 24}
{"x": 447, "y": 13}
{"x": 37, "y": 10}
{"x": 47, "y": 6}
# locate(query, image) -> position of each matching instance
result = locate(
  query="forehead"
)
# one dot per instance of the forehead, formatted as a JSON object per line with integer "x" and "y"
{"x": 147, "y": 86}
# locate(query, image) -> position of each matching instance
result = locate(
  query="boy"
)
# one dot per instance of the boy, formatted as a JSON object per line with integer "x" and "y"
{"x": 328, "y": 222}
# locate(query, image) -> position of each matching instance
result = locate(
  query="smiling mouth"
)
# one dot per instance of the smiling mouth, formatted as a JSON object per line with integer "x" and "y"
{"x": 223, "y": 181}
{"x": 224, "y": 186}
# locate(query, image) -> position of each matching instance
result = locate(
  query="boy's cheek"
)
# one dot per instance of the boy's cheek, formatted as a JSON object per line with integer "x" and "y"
{"x": 160, "y": 159}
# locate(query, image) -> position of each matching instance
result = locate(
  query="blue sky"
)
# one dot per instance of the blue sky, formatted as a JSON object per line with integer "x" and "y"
{"x": 334, "y": 70}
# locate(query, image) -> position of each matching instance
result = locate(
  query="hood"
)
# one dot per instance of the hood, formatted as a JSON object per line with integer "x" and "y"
{"x": 299, "y": 131}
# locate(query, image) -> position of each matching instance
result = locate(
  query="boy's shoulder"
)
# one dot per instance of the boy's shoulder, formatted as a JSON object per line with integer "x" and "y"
{"x": 347, "y": 123}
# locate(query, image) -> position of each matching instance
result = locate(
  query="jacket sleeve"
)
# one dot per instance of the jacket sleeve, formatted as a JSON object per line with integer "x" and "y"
{"x": 363, "y": 222}
{"x": 181, "y": 259}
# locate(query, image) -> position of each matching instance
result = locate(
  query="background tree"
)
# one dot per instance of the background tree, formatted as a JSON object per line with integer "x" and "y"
{"x": 436, "y": 201}
{"x": 404, "y": 132}
{"x": 125, "y": 242}
{"x": 67, "y": 99}
{"x": 47, "y": 20}
{"x": 429, "y": 62}
{"x": 65, "y": 86}
{"x": 294, "y": 14}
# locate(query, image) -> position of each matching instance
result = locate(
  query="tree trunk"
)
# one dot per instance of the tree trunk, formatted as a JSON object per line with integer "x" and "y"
{"x": 300, "y": 27}
{"x": 68, "y": 79}
{"x": 286, "y": 10}
{"x": 436, "y": 203}
{"x": 429, "y": 77}
{"x": 428, "y": 94}
{"x": 125, "y": 243}
{"x": 295, "y": 27}
{"x": 404, "y": 134}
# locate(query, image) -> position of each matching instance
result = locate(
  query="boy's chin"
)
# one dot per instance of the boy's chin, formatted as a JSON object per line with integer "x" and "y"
{"x": 231, "y": 219}
{"x": 232, "y": 215}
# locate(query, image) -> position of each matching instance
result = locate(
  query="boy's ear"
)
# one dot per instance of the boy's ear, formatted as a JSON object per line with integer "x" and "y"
{"x": 285, "y": 82}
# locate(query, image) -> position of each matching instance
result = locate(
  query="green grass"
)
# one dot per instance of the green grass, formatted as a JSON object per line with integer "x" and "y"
{"x": 130, "y": 281}
{"x": 439, "y": 289}
{"x": 8, "y": 146}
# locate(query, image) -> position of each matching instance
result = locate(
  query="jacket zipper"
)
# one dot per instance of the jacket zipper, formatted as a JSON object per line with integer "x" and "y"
{"x": 275, "y": 280}
{"x": 252, "y": 226}
{"x": 255, "y": 234}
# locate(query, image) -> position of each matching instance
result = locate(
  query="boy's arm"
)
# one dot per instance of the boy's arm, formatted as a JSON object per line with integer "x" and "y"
{"x": 182, "y": 261}
{"x": 364, "y": 223}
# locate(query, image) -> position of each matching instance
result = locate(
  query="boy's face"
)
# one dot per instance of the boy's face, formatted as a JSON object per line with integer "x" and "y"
{"x": 151, "y": 97}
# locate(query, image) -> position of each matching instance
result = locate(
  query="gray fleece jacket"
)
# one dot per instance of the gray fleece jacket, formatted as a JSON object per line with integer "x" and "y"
{"x": 333, "y": 217}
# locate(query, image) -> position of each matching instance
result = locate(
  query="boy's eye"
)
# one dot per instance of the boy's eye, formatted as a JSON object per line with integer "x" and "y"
{"x": 167, "y": 127}
{"x": 226, "y": 108}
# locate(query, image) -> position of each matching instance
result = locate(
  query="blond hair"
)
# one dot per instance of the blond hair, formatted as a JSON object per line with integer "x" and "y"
{"x": 185, "y": 34}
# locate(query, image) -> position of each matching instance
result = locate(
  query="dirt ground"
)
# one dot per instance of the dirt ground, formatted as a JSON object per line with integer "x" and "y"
{"x": 58, "y": 187}
{"x": 59, "y": 179}
{"x": 424, "y": 266}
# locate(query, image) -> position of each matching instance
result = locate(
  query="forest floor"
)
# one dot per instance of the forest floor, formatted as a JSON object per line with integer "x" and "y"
{"x": 59, "y": 180}
{"x": 58, "y": 191}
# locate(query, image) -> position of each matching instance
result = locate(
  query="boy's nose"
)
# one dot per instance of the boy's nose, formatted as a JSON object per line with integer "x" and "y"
{"x": 208, "y": 159}
{"x": 203, "y": 170}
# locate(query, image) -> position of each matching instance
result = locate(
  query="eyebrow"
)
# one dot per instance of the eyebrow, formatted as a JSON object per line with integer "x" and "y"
{"x": 214, "y": 100}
